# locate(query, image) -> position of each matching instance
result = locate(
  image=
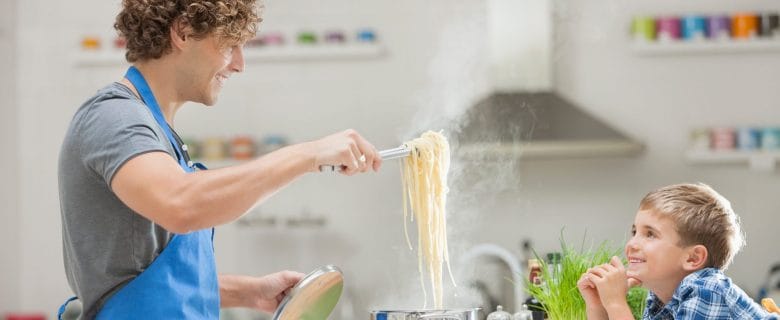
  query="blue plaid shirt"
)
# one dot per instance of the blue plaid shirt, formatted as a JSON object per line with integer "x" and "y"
{"x": 706, "y": 294}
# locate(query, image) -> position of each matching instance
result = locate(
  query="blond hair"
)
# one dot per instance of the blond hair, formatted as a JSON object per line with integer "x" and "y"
{"x": 702, "y": 217}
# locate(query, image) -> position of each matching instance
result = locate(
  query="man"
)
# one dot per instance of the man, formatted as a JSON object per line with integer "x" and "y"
{"x": 137, "y": 216}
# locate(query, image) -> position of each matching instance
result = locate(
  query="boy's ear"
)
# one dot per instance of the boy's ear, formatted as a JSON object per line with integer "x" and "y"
{"x": 697, "y": 258}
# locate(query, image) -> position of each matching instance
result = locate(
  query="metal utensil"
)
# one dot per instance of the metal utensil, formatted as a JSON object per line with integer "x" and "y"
{"x": 446, "y": 314}
{"x": 388, "y": 154}
{"x": 314, "y": 297}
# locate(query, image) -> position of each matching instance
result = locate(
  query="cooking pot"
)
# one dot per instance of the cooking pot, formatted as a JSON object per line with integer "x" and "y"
{"x": 443, "y": 314}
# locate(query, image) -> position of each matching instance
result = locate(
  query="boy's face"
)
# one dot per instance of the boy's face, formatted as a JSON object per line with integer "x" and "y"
{"x": 654, "y": 256}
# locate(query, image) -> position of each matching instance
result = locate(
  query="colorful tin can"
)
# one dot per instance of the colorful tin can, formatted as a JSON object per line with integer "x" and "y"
{"x": 643, "y": 28}
{"x": 744, "y": 25}
{"x": 748, "y": 139}
{"x": 723, "y": 138}
{"x": 719, "y": 27}
{"x": 668, "y": 29}
{"x": 694, "y": 28}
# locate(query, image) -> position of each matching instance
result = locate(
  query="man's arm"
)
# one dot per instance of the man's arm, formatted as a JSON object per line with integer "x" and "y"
{"x": 263, "y": 293}
{"x": 154, "y": 185}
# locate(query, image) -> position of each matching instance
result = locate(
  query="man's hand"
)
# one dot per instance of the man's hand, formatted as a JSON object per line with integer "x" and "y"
{"x": 346, "y": 150}
{"x": 271, "y": 289}
{"x": 263, "y": 294}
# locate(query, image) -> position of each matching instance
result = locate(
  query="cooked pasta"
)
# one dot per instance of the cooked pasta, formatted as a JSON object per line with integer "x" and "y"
{"x": 424, "y": 181}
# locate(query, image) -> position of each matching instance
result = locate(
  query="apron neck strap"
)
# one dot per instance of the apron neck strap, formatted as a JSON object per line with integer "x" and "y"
{"x": 137, "y": 79}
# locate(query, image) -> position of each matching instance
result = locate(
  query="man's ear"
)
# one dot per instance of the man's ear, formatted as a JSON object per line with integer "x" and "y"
{"x": 179, "y": 34}
{"x": 697, "y": 258}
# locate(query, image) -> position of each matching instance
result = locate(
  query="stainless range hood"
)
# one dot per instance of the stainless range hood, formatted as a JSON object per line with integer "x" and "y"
{"x": 524, "y": 115}
{"x": 539, "y": 125}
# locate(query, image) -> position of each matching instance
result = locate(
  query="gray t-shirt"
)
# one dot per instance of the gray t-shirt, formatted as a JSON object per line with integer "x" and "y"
{"x": 105, "y": 243}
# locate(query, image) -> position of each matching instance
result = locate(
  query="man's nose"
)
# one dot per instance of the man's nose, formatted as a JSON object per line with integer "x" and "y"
{"x": 237, "y": 60}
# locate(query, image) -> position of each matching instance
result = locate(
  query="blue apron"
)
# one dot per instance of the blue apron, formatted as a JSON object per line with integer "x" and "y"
{"x": 181, "y": 283}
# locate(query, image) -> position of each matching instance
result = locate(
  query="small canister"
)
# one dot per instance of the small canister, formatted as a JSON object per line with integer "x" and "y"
{"x": 523, "y": 314}
{"x": 744, "y": 25}
{"x": 499, "y": 314}
{"x": 213, "y": 149}
{"x": 768, "y": 25}
{"x": 748, "y": 139}
{"x": 366, "y": 35}
{"x": 242, "y": 148}
{"x": 700, "y": 139}
{"x": 668, "y": 29}
{"x": 719, "y": 27}
{"x": 723, "y": 139}
{"x": 307, "y": 37}
{"x": 694, "y": 28}
{"x": 643, "y": 28}
{"x": 770, "y": 139}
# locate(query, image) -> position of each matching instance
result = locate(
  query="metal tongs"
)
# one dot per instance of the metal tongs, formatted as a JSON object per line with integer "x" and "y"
{"x": 388, "y": 154}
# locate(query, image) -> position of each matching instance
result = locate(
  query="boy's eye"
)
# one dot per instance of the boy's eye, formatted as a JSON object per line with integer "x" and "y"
{"x": 650, "y": 234}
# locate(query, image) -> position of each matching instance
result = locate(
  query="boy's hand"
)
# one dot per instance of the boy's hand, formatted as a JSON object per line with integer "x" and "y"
{"x": 590, "y": 294}
{"x": 612, "y": 284}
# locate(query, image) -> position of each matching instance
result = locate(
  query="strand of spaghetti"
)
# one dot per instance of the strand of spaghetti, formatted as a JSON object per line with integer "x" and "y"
{"x": 406, "y": 204}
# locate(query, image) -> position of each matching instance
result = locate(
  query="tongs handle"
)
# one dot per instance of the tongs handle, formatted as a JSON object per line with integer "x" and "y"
{"x": 388, "y": 154}
{"x": 395, "y": 153}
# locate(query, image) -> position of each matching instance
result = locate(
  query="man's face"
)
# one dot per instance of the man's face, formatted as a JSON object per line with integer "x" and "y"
{"x": 654, "y": 256}
{"x": 207, "y": 67}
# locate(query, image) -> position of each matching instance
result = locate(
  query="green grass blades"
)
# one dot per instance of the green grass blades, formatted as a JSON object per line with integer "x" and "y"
{"x": 558, "y": 292}
{"x": 637, "y": 300}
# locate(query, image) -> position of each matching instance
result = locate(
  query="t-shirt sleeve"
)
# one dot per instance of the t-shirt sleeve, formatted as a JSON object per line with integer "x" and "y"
{"x": 115, "y": 131}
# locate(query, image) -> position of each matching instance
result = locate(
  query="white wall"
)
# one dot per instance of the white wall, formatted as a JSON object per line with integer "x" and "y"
{"x": 9, "y": 229}
{"x": 433, "y": 70}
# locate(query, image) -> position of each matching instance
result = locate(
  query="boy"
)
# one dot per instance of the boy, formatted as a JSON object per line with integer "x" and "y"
{"x": 683, "y": 237}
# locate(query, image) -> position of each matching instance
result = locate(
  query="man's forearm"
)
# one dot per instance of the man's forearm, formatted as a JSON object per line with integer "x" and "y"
{"x": 211, "y": 198}
{"x": 234, "y": 290}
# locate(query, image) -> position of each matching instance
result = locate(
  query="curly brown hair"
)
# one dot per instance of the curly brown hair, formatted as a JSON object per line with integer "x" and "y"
{"x": 146, "y": 24}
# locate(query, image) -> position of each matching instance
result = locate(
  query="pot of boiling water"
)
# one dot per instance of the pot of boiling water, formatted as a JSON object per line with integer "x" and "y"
{"x": 444, "y": 314}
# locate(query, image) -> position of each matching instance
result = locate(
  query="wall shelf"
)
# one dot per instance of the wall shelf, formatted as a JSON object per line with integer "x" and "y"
{"x": 757, "y": 160}
{"x": 290, "y": 53}
{"x": 708, "y": 47}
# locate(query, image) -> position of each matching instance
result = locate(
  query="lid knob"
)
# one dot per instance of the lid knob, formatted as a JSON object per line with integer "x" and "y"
{"x": 499, "y": 314}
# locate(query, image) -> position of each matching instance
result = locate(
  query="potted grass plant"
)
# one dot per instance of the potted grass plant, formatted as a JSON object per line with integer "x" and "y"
{"x": 558, "y": 292}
